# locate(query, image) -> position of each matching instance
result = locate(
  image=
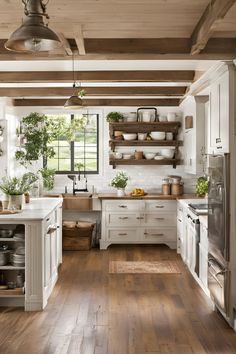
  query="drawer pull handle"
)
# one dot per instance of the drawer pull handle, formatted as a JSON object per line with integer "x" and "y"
{"x": 51, "y": 229}
{"x": 159, "y": 235}
{"x": 123, "y": 217}
{"x": 159, "y": 206}
{"x": 122, "y": 234}
{"x": 122, "y": 206}
{"x": 160, "y": 218}
{"x": 140, "y": 218}
{"x": 179, "y": 220}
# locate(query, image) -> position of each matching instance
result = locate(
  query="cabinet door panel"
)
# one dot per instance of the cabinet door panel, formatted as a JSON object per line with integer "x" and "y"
{"x": 124, "y": 219}
{"x": 159, "y": 235}
{"x": 214, "y": 124}
{"x": 160, "y": 205}
{"x": 123, "y": 205}
{"x": 47, "y": 259}
{"x": 203, "y": 266}
{"x": 123, "y": 235}
{"x": 160, "y": 219}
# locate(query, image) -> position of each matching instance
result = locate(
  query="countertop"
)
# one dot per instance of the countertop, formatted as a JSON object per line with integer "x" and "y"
{"x": 147, "y": 197}
{"x": 37, "y": 209}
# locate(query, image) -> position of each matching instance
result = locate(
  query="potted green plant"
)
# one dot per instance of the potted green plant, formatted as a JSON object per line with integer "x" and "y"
{"x": 48, "y": 177}
{"x": 15, "y": 187}
{"x": 120, "y": 182}
{"x": 114, "y": 117}
{"x": 202, "y": 186}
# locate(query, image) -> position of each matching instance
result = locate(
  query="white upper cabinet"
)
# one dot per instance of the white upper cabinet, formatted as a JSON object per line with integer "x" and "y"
{"x": 218, "y": 125}
{"x": 194, "y": 138}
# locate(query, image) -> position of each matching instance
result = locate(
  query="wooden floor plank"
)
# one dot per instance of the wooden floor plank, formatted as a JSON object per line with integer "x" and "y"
{"x": 92, "y": 311}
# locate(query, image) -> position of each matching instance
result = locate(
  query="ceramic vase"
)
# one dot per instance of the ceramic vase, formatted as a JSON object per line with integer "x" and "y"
{"x": 120, "y": 192}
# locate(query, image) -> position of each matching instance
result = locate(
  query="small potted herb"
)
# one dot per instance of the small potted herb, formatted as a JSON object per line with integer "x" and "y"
{"x": 115, "y": 117}
{"x": 202, "y": 186}
{"x": 120, "y": 182}
{"x": 15, "y": 187}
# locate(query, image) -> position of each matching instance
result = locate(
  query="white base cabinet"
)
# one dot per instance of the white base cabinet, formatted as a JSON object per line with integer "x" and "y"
{"x": 43, "y": 250}
{"x": 138, "y": 221}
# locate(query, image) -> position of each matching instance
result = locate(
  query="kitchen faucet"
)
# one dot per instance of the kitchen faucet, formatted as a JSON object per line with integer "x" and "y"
{"x": 73, "y": 178}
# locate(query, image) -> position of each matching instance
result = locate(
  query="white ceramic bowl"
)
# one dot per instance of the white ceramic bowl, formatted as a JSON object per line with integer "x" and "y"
{"x": 158, "y": 135}
{"x": 158, "y": 157}
{"x": 162, "y": 118}
{"x": 142, "y": 136}
{"x": 169, "y": 136}
{"x": 127, "y": 156}
{"x": 171, "y": 117}
{"x": 168, "y": 153}
{"x": 131, "y": 118}
{"x": 129, "y": 136}
{"x": 149, "y": 155}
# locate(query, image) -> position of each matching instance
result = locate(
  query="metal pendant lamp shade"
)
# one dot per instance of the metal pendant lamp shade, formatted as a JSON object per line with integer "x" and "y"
{"x": 74, "y": 102}
{"x": 33, "y": 35}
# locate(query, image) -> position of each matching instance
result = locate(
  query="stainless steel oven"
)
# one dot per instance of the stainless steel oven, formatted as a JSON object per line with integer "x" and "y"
{"x": 218, "y": 283}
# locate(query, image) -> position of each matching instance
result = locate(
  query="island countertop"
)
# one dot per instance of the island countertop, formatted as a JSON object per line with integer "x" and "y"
{"x": 151, "y": 196}
{"x": 37, "y": 209}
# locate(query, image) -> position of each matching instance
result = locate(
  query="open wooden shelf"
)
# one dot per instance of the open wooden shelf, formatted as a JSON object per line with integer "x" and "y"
{"x": 140, "y": 127}
{"x": 18, "y": 292}
{"x": 173, "y": 162}
{"x": 117, "y": 142}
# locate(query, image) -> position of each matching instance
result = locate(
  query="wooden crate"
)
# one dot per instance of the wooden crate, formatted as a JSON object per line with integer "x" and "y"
{"x": 77, "y": 238}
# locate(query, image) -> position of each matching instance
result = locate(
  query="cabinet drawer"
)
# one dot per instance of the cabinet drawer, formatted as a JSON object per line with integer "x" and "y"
{"x": 123, "y": 205}
{"x": 160, "y": 219}
{"x": 161, "y": 205}
{"x": 125, "y": 219}
{"x": 159, "y": 235}
{"x": 123, "y": 235}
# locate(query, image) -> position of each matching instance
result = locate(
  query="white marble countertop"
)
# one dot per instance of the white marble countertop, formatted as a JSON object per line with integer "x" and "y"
{"x": 37, "y": 209}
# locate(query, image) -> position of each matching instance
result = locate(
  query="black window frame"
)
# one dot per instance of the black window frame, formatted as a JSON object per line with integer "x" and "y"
{"x": 72, "y": 149}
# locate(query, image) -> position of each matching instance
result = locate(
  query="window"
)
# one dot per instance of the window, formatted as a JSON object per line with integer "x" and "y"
{"x": 81, "y": 153}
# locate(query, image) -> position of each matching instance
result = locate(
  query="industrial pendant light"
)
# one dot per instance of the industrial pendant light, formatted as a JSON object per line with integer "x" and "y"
{"x": 74, "y": 102}
{"x": 33, "y": 35}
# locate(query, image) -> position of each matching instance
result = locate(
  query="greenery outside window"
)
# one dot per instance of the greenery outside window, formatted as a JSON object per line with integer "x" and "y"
{"x": 81, "y": 153}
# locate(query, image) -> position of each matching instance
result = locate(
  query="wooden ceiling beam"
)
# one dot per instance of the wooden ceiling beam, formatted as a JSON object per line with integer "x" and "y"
{"x": 98, "y": 102}
{"x": 132, "y": 49}
{"x": 98, "y": 76}
{"x": 79, "y": 39}
{"x": 92, "y": 91}
{"x": 212, "y": 16}
{"x": 65, "y": 44}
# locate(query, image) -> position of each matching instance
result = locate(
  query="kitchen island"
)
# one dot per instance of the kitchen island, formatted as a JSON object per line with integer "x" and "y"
{"x": 40, "y": 228}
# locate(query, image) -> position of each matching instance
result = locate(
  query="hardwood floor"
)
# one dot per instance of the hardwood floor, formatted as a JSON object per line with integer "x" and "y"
{"x": 93, "y": 312}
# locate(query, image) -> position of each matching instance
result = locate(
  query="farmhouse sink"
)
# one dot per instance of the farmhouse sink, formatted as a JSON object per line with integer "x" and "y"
{"x": 81, "y": 201}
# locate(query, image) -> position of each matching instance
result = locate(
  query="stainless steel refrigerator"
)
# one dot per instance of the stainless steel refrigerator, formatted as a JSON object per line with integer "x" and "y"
{"x": 218, "y": 230}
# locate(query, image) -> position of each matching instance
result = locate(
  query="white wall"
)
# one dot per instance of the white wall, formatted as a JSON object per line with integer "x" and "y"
{"x": 148, "y": 177}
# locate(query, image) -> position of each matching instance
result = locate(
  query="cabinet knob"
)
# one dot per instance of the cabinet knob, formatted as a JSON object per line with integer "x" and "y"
{"x": 122, "y": 234}
{"x": 123, "y": 217}
{"x": 140, "y": 218}
{"x": 160, "y": 218}
{"x": 159, "y": 235}
{"x": 122, "y": 206}
{"x": 159, "y": 206}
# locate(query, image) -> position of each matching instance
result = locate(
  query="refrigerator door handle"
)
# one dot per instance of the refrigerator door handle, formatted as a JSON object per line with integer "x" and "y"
{"x": 226, "y": 203}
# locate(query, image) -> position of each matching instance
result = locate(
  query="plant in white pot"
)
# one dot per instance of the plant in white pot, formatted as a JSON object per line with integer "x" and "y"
{"x": 120, "y": 182}
{"x": 15, "y": 187}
